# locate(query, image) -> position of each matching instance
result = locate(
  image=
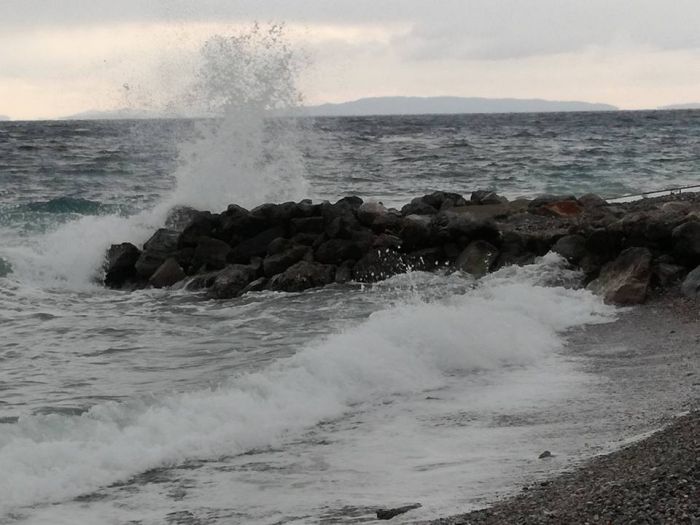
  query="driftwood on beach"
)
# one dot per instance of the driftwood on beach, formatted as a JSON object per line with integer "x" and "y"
{"x": 624, "y": 250}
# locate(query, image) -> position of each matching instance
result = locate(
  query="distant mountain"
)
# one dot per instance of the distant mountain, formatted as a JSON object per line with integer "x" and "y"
{"x": 435, "y": 105}
{"x": 117, "y": 114}
{"x": 689, "y": 105}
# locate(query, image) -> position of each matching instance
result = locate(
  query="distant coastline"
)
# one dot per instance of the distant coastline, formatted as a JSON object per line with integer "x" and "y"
{"x": 397, "y": 106}
{"x": 4, "y": 117}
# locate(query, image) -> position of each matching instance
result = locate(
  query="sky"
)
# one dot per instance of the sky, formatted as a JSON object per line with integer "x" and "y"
{"x": 60, "y": 57}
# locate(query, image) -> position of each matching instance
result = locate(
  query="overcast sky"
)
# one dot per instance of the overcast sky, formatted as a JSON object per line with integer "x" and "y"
{"x": 59, "y": 57}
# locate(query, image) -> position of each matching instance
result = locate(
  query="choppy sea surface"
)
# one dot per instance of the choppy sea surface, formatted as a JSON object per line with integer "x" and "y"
{"x": 163, "y": 407}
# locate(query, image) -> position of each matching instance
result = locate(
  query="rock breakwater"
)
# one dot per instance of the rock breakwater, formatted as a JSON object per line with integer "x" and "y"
{"x": 624, "y": 250}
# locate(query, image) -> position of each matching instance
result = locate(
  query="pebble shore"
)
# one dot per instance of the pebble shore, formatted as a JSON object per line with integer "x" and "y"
{"x": 655, "y": 480}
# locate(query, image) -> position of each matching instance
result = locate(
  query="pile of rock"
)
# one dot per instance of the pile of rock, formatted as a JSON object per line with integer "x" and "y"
{"x": 623, "y": 249}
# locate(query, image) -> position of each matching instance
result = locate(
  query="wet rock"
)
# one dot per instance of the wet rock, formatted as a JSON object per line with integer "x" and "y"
{"x": 385, "y": 240}
{"x": 342, "y": 227}
{"x": 231, "y": 281}
{"x": 378, "y": 265}
{"x": 314, "y": 225}
{"x": 427, "y": 259}
{"x": 545, "y": 454}
{"x": 387, "y": 514}
{"x": 388, "y": 222}
{"x": 691, "y": 284}
{"x": 279, "y": 262}
{"x": 591, "y": 200}
{"x": 278, "y": 213}
{"x": 120, "y": 264}
{"x": 353, "y": 202}
{"x": 180, "y": 217}
{"x": 442, "y": 200}
{"x": 571, "y": 247}
{"x": 418, "y": 207}
{"x": 257, "y": 285}
{"x": 665, "y": 274}
{"x": 301, "y": 276}
{"x": 148, "y": 263}
{"x": 167, "y": 274}
{"x": 487, "y": 197}
{"x": 211, "y": 253}
{"x": 368, "y": 212}
{"x": 201, "y": 281}
{"x": 201, "y": 224}
{"x": 335, "y": 251}
{"x": 236, "y": 224}
{"x": 163, "y": 241}
{"x": 255, "y": 246}
{"x": 467, "y": 226}
{"x": 625, "y": 280}
{"x": 415, "y": 232}
{"x": 477, "y": 259}
{"x": 686, "y": 242}
{"x": 343, "y": 273}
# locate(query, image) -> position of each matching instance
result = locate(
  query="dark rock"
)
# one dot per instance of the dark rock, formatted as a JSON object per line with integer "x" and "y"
{"x": 308, "y": 225}
{"x": 386, "y": 240}
{"x": 415, "y": 232}
{"x": 255, "y": 246}
{"x": 686, "y": 243}
{"x": 427, "y": 259}
{"x": 467, "y": 226}
{"x": 343, "y": 273}
{"x": 441, "y": 200}
{"x": 279, "y": 213}
{"x": 514, "y": 250}
{"x": 201, "y": 224}
{"x": 120, "y": 264}
{"x": 625, "y": 280}
{"x": 368, "y": 212}
{"x": 257, "y": 285}
{"x": 691, "y": 284}
{"x": 167, "y": 274}
{"x": 418, "y": 207}
{"x": 236, "y": 224}
{"x": 301, "y": 276}
{"x": 342, "y": 227}
{"x": 542, "y": 200}
{"x": 279, "y": 245}
{"x": 148, "y": 263}
{"x": 591, "y": 200}
{"x": 477, "y": 259}
{"x": 545, "y": 454}
{"x": 603, "y": 244}
{"x": 163, "y": 241}
{"x": 389, "y": 222}
{"x": 387, "y": 514}
{"x": 353, "y": 202}
{"x": 180, "y": 217}
{"x": 211, "y": 253}
{"x": 231, "y": 281}
{"x": 279, "y": 262}
{"x": 486, "y": 197}
{"x": 307, "y": 239}
{"x": 201, "y": 281}
{"x": 378, "y": 265}
{"x": 571, "y": 247}
{"x": 335, "y": 251}
{"x": 664, "y": 274}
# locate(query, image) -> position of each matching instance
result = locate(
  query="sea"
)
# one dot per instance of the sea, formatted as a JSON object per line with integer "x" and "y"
{"x": 165, "y": 407}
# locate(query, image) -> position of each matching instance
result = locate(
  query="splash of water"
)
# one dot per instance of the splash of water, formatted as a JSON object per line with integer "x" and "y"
{"x": 244, "y": 152}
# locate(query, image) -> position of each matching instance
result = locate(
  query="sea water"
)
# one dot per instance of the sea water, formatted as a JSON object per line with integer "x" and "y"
{"x": 161, "y": 406}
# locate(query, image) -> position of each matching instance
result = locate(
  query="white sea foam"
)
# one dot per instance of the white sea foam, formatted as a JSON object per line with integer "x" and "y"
{"x": 407, "y": 348}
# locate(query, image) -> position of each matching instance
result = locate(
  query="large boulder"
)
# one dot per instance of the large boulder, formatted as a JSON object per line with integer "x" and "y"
{"x": 486, "y": 197}
{"x": 625, "y": 280}
{"x": 571, "y": 247}
{"x": 169, "y": 273}
{"x": 255, "y": 246}
{"x": 231, "y": 281}
{"x": 211, "y": 253}
{"x": 120, "y": 264}
{"x": 237, "y": 224}
{"x": 691, "y": 284}
{"x": 156, "y": 250}
{"x": 280, "y": 261}
{"x": 301, "y": 276}
{"x": 443, "y": 200}
{"x": 466, "y": 226}
{"x": 201, "y": 224}
{"x": 477, "y": 259}
{"x": 416, "y": 232}
{"x": 279, "y": 213}
{"x": 418, "y": 207}
{"x": 377, "y": 265}
{"x": 314, "y": 225}
{"x": 369, "y": 212}
{"x": 335, "y": 251}
{"x": 686, "y": 242}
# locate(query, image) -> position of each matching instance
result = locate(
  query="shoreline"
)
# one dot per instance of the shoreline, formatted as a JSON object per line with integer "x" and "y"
{"x": 648, "y": 472}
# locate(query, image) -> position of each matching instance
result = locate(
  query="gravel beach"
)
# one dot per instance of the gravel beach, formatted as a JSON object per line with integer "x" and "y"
{"x": 652, "y": 353}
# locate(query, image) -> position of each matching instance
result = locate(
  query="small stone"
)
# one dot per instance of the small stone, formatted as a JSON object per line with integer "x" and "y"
{"x": 545, "y": 454}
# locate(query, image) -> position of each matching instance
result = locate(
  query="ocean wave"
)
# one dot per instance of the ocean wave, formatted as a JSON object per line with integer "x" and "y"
{"x": 508, "y": 320}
